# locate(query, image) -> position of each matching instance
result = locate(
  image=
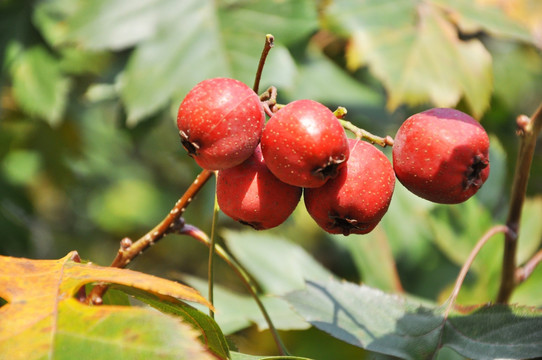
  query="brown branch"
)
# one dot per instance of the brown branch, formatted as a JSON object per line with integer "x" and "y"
{"x": 128, "y": 250}
{"x": 528, "y": 131}
{"x": 269, "y": 43}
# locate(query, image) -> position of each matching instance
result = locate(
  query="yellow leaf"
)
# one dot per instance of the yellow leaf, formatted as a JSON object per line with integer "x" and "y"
{"x": 40, "y": 294}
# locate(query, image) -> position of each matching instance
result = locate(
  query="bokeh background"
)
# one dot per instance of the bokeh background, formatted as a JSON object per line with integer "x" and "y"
{"x": 89, "y": 149}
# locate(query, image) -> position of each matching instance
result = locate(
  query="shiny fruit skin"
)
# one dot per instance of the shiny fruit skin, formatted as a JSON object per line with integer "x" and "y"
{"x": 304, "y": 144}
{"x": 220, "y": 122}
{"x": 441, "y": 155}
{"x": 251, "y": 194}
{"x": 357, "y": 199}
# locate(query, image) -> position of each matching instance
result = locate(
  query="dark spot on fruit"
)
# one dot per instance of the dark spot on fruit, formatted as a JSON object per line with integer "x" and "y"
{"x": 473, "y": 174}
{"x": 190, "y": 146}
{"x": 346, "y": 224}
{"x": 330, "y": 169}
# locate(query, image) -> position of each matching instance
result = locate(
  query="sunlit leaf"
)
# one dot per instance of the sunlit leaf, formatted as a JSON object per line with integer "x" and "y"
{"x": 401, "y": 327}
{"x": 277, "y": 264}
{"x": 43, "y": 319}
{"x": 415, "y": 51}
{"x": 236, "y": 311}
{"x": 478, "y": 15}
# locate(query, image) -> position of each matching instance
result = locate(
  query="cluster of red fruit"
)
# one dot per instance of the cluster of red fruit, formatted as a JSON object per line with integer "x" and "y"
{"x": 347, "y": 184}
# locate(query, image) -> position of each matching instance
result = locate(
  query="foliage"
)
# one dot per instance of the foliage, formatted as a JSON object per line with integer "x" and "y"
{"x": 89, "y": 153}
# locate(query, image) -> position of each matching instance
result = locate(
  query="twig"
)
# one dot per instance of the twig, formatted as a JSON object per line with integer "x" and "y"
{"x": 341, "y": 112}
{"x": 466, "y": 266}
{"x": 242, "y": 274}
{"x": 528, "y": 131}
{"x": 269, "y": 43}
{"x": 128, "y": 250}
{"x": 526, "y": 270}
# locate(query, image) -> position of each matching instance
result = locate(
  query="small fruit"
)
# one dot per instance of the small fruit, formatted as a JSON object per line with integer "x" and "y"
{"x": 441, "y": 155}
{"x": 304, "y": 144}
{"x": 251, "y": 194}
{"x": 357, "y": 199}
{"x": 220, "y": 122}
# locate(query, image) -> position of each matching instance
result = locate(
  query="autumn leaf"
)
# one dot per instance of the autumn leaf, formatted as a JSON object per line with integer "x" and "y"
{"x": 42, "y": 318}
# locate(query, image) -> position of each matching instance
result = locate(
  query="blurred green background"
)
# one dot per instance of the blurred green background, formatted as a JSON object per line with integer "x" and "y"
{"x": 89, "y": 150}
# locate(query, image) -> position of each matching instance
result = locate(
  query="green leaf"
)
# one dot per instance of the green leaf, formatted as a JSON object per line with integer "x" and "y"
{"x": 84, "y": 332}
{"x": 322, "y": 80}
{"x": 457, "y": 229}
{"x": 39, "y": 86}
{"x": 406, "y": 226}
{"x": 401, "y": 327}
{"x": 211, "y": 334}
{"x": 415, "y": 51}
{"x": 181, "y": 43}
{"x": 373, "y": 258}
{"x": 236, "y": 311}
{"x": 278, "y": 265}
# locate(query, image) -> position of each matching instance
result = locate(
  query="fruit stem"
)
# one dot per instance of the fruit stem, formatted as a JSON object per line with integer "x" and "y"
{"x": 360, "y": 133}
{"x": 128, "y": 250}
{"x": 528, "y": 131}
{"x": 242, "y": 274}
{"x": 466, "y": 266}
{"x": 212, "y": 245}
{"x": 269, "y": 43}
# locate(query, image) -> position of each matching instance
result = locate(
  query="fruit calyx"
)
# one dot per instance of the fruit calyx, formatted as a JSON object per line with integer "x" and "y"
{"x": 473, "y": 175}
{"x": 190, "y": 146}
{"x": 256, "y": 225}
{"x": 346, "y": 224}
{"x": 330, "y": 169}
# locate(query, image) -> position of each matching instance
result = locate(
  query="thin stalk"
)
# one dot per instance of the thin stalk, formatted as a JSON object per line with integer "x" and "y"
{"x": 211, "y": 262}
{"x": 466, "y": 266}
{"x": 341, "y": 112}
{"x": 243, "y": 275}
{"x": 128, "y": 250}
{"x": 269, "y": 43}
{"x": 526, "y": 270}
{"x": 528, "y": 131}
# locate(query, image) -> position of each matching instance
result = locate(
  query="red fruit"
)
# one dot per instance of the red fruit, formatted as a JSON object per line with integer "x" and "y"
{"x": 441, "y": 155}
{"x": 304, "y": 144}
{"x": 251, "y": 194}
{"x": 220, "y": 122}
{"x": 357, "y": 199}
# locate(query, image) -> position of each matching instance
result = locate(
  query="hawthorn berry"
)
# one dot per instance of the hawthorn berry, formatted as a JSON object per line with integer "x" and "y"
{"x": 304, "y": 144}
{"x": 251, "y": 194}
{"x": 441, "y": 155}
{"x": 220, "y": 122}
{"x": 356, "y": 200}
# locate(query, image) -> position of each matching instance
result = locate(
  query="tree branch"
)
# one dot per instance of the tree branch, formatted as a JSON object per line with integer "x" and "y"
{"x": 128, "y": 250}
{"x": 528, "y": 131}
